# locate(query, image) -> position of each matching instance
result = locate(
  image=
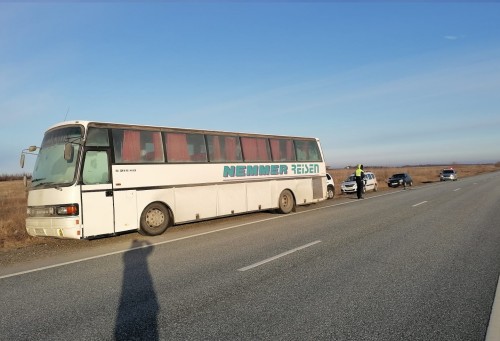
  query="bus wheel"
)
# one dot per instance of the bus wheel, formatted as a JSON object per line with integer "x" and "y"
{"x": 286, "y": 202}
{"x": 154, "y": 219}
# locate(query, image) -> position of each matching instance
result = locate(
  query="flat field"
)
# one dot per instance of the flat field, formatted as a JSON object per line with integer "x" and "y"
{"x": 419, "y": 174}
{"x": 13, "y": 197}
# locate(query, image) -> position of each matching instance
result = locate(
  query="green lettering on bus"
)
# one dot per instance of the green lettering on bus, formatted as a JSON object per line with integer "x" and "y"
{"x": 229, "y": 171}
{"x": 264, "y": 170}
{"x": 252, "y": 170}
{"x": 241, "y": 170}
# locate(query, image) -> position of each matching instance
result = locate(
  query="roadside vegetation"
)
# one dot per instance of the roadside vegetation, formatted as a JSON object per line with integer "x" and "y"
{"x": 13, "y": 196}
{"x": 13, "y": 214}
{"x": 419, "y": 174}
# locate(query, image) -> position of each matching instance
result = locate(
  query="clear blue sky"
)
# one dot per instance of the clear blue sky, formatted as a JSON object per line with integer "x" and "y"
{"x": 381, "y": 83}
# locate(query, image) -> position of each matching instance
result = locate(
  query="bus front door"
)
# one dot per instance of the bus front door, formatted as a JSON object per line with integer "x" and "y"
{"x": 97, "y": 194}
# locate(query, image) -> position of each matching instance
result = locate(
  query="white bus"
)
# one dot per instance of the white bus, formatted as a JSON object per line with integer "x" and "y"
{"x": 94, "y": 178}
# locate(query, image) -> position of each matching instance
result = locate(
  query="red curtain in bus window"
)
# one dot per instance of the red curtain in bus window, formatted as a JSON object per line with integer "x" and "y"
{"x": 215, "y": 153}
{"x": 230, "y": 147}
{"x": 158, "y": 149}
{"x": 249, "y": 146}
{"x": 177, "y": 149}
{"x": 262, "y": 154}
{"x": 131, "y": 149}
{"x": 275, "y": 150}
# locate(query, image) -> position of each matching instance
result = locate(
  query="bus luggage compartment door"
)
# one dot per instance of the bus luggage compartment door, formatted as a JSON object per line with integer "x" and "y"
{"x": 126, "y": 210}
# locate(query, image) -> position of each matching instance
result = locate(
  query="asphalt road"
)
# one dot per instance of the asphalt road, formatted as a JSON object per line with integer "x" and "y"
{"x": 415, "y": 264}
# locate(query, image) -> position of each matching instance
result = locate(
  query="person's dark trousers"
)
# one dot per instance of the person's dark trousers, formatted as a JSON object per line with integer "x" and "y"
{"x": 359, "y": 189}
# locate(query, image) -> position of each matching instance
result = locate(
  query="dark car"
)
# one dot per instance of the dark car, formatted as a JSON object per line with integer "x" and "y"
{"x": 400, "y": 179}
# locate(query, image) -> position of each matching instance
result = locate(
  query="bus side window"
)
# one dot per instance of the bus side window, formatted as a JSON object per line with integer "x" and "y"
{"x": 95, "y": 168}
{"x": 255, "y": 149}
{"x": 307, "y": 151}
{"x": 151, "y": 147}
{"x": 97, "y": 137}
{"x": 177, "y": 147}
{"x": 137, "y": 146}
{"x": 183, "y": 147}
{"x": 282, "y": 150}
{"x": 197, "y": 147}
{"x": 222, "y": 148}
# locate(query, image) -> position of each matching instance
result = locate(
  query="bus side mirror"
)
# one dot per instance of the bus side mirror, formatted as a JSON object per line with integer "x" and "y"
{"x": 29, "y": 150}
{"x": 68, "y": 152}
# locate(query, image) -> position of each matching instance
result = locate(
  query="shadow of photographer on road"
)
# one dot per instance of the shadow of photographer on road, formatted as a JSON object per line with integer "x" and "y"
{"x": 138, "y": 309}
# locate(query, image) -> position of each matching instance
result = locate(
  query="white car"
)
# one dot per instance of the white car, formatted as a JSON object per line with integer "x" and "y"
{"x": 330, "y": 187}
{"x": 349, "y": 185}
{"x": 448, "y": 174}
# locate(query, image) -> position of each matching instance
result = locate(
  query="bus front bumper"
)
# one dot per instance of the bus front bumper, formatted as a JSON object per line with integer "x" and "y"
{"x": 67, "y": 228}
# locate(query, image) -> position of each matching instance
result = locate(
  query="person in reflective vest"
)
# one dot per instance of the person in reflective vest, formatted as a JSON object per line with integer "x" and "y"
{"x": 360, "y": 175}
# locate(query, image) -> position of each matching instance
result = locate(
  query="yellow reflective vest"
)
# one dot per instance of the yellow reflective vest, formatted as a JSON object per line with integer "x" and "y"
{"x": 358, "y": 172}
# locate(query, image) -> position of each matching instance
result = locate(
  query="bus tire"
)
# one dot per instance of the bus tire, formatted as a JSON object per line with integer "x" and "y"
{"x": 155, "y": 219}
{"x": 286, "y": 202}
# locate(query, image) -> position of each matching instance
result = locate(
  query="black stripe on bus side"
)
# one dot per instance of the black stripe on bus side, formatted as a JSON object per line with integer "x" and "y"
{"x": 96, "y": 190}
{"x": 209, "y": 183}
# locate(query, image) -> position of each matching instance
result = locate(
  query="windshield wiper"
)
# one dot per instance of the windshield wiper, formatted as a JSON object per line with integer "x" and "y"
{"x": 73, "y": 140}
{"x": 49, "y": 183}
{"x": 33, "y": 180}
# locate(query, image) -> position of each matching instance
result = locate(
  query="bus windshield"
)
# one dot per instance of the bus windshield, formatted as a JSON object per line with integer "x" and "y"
{"x": 51, "y": 169}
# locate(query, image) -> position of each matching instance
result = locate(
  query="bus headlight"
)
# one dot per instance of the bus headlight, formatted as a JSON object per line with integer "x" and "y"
{"x": 40, "y": 211}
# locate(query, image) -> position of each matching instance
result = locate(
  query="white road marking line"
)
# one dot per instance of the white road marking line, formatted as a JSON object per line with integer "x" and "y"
{"x": 493, "y": 332}
{"x": 458, "y": 189}
{"x": 135, "y": 248}
{"x": 186, "y": 237}
{"x": 278, "y": 256}
{"x": 420, "y": 203}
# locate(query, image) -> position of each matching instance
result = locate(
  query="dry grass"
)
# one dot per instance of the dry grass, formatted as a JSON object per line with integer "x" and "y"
{"x": 13, "y": 197}
{"x": 12, "y": 214}
{"x": 13, "y": 201}
{"x": 419, "y": 174}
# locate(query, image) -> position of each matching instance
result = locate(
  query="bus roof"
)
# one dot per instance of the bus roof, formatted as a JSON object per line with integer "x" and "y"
{"x": 165, "y": 128}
